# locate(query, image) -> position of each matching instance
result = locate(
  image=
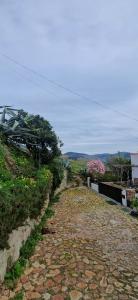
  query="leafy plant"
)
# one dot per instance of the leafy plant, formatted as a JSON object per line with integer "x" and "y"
{"x": 57, "y": 169}
{"x": 135, "y": 204}
{"x": 21, "y": 198}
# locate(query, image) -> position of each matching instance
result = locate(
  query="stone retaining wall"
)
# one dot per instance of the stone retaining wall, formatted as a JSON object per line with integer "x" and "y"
{"x": 63, "y": 184}
{"x": 16, "y": 239}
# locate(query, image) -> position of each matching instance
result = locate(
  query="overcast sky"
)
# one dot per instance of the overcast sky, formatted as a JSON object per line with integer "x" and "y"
{"x": 90, "y": 47}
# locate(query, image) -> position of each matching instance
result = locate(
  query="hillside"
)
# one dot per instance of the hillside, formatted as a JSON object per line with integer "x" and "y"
{"x": 103, "y": 156}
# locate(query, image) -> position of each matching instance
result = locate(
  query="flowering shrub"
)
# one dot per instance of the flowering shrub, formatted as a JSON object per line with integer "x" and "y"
{"x": 95, "y": 167}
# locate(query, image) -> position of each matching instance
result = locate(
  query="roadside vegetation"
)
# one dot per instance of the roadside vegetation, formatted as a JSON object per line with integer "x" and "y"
{"x": 26, "y": 177}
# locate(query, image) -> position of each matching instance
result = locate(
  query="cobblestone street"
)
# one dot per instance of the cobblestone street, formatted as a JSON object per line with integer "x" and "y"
{"x": 93, "y": 253}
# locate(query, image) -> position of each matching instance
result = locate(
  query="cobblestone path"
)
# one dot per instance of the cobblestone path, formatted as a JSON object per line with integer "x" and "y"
{"x": 93, "y": 253}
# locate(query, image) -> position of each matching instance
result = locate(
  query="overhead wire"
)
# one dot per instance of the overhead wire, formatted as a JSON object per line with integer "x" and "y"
{"x": 61, "y": 86}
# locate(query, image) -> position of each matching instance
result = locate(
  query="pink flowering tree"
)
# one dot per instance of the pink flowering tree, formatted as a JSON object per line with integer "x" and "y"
{"x": 95, "y": 168}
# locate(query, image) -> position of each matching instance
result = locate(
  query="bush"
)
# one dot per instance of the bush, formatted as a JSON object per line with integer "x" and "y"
{"x": 4, "y": 173}
{"x": 135, "y": 204}
{"x": 21, "y": 198}
{"x": 24, "y": 163}
{"x": 57, "y": 169}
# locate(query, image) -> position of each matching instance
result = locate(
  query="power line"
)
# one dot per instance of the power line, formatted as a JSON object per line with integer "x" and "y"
{"x": 61, "y": 86}
{"x": 47, "y": 91}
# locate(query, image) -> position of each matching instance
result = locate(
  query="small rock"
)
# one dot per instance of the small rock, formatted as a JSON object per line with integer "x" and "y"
{"x": 28, "y": 271}
{"x": 81, "y": 285}
{"x": 89, "y": 274}
{"x": 118, "y": 284}
{"x": 49, "y": 284}
{"x": 135, "y": 284}
{"x": 75, "y": 295}
{"x": 28, "y": 287}
{"x": 93, "y": 286}
{"x": 128, "y": 288}
{"x": 103, "y": 282}
{"x": 18, "y": 287}
{"x": 64, "y": 288}
{"x": 24, "y": 279}
{"x": 99, "y": 267}
{"x": 32, "y": 295}
{"x": 12, "y": 294}
{"x": 58, "y": 297}
{"x": 86, "y": 260}
{"x": 109, "y": 289}
{"x": 136, "y": 278}
{"x": 46, "y": 296}
{"x": 4, "y": 298}
{"x": 53, "y": 273}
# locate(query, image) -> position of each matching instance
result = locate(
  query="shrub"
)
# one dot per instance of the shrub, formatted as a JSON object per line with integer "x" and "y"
{"x": 96, "y": 167}
{"x": 24, "y": 163}
{"x": 57, "y": 169}
{"x": 135, "y": 204}
{"x": 21, "y": 198}
{"x": 4, "y": 173}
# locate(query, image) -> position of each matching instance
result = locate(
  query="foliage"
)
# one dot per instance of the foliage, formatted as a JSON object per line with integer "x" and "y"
{"x": 24, "y": 186}
{"x": 95, "y": 167}
{"x": 27, "y": 251}
{"x": 4, "y": 173}
{"x": 21, "y": 198}
{"x": 120, "y": 167}
{"x": 30, "y": 133}
{"x": 77, "y": 166}
{"x": 57, "y": 169}
{"x": 135, "y": 204}
{"x": 48, "y": 142}
{"x": 25, "y": 164}
{"x": 107, "y": 177}
{"x": 54, "y": 199}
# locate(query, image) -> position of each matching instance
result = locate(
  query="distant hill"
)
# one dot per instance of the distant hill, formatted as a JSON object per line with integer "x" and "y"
{"x": 104, "y": 156}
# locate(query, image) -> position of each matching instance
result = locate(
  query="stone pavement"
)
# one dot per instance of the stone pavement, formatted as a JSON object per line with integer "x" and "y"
{"x": 93, "y": 253}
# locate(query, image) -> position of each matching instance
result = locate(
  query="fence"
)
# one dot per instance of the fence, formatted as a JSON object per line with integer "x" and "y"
{"x": 111, "y": 191}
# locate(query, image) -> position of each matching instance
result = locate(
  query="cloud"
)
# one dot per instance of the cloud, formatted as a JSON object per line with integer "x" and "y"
{"x": 90, "y": 47}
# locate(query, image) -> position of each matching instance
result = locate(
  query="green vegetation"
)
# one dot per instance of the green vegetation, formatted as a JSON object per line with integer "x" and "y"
{"x": 30, "y": 168}
{"x": 21, "y": 198}
{"x": 18, "y": 296}
{"x": 57, "y": 169}
{"x": 30, "y": 133}
{"x": 78, "y": 165}
{"x": 120, "y": 167}
{"x": 25, "y": 183}
{"x": 135, "y": 204}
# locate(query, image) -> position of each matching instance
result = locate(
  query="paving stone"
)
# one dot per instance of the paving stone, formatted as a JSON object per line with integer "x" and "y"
{"x": 86, "y": 260}
{"x": 135, "y": 284}
{"x": 91, "y": 256}
{"x": 75, "y": 295}
{"x": 58, "y": 297}
{"x": 103, "y": 282}
{"x": 33, "y": 295}
{"x": 46, "y": 296}
{"x": 89, "y": 274}
{"x": 109, "y": 289}
{"x": 93, "y": 286}
{"x": 81, "y": 285}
